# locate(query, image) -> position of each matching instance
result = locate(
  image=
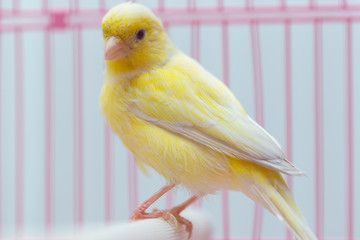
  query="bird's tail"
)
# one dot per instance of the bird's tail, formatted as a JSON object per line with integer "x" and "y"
{"x": 275, "y": 196}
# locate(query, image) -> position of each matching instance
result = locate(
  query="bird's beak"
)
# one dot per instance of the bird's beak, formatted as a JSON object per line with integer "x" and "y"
{"x": 115, "y": 49}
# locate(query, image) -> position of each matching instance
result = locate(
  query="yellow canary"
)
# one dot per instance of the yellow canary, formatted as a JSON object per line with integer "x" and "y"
{"x": 180, "y": 120}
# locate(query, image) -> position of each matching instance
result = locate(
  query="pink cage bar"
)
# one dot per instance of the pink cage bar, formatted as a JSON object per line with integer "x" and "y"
{"x": 50, "y": 20}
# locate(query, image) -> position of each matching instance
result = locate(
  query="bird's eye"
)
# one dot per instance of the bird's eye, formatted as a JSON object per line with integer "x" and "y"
{"x": 140, "y": 34}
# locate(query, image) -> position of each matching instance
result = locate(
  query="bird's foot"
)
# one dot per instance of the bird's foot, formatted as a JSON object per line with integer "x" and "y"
{"x": 139, "y": 214}
{"x": 172, "y": 215}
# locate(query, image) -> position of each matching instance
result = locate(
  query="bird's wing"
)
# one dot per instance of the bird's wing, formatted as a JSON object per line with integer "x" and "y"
{"x": 197, "y": 106}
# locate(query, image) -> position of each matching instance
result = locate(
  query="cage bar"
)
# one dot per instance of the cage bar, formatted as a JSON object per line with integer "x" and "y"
{"x": 1, "y": 141}
{"x": 48, "y": 133}
{"x": 108, "y": 158}
{"x": 19, "y": 132}
{"x": 259, "y": 110}
{"x": 78, "y": 131}
{"x": 132, "y": 182}
{"x": 288, "y": 105}
{"x": 319, "y": 135}
{"x": 226, "y": 80}
{"x": 349, "y": 131}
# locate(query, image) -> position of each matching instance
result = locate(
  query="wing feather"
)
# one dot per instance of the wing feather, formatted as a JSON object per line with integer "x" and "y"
{"x": 199, "y": 107}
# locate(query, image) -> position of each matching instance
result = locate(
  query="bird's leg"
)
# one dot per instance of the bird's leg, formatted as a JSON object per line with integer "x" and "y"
{"x": 139, "y": 211}
{"x": 175, "y": 213}
{"x": 181, "y": 207}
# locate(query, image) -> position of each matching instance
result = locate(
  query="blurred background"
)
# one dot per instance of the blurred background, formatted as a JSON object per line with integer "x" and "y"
{"x": 294, "y": 65}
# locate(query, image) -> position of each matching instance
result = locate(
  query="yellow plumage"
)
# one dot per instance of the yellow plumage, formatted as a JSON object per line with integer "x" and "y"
{"x": 183, "y": 122}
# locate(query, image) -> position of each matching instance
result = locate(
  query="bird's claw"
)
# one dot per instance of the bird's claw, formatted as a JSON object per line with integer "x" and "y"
{"x": 172, "y": 216}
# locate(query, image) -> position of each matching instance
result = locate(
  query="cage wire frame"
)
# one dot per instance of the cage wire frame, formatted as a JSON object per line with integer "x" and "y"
{"x": 76, "y": 19}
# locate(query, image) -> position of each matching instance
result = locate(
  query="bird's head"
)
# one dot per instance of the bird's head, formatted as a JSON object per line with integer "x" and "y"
{"x": 134, "y": 38}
